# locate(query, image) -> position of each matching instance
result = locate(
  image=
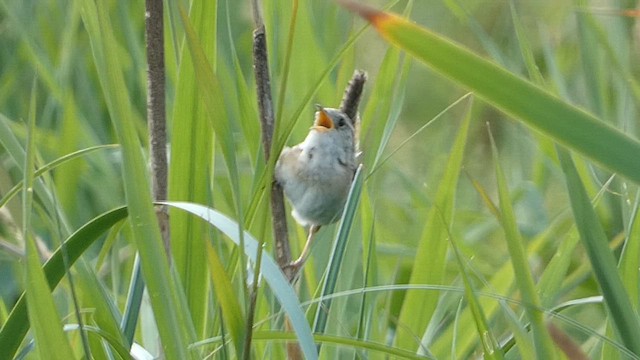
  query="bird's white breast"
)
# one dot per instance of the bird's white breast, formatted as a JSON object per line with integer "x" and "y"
{"x": 316, "y": 178}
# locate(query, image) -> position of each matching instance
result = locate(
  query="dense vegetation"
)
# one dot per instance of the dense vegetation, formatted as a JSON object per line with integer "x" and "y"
{"x": 494, "y": 215}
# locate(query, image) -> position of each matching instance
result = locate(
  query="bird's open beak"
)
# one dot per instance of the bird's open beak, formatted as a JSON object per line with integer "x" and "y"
{"x": 323, "y": 122}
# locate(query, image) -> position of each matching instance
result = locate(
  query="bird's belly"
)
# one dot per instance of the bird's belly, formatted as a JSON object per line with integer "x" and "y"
{"x": 318, "y": 207}
{"x": 317, "y": 185}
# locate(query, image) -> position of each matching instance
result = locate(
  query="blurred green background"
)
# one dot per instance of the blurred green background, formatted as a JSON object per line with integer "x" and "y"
{"x": 585, "y": 52}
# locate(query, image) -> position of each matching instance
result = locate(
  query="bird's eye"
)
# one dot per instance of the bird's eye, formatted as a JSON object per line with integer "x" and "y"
{"x": 341, "y": 122}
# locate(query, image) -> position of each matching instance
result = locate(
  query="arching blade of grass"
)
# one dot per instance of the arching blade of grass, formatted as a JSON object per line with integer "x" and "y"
{"x": 17, "y": 324}
{"x": 429, "y": 263}
{"x": 12, "y": 146}
{"x": 52, "y": 165}
{"x": 625, "y": 319}
{"x": 105, "y": 313}
{"x": 172, "y": 320}
{"x": 387, "y": 352}
{"x": 517, "y": 97}
{"x": 270, "y": 270}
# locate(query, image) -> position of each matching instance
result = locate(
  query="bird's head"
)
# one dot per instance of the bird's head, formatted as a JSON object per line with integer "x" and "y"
{"x": 328, "y": 120}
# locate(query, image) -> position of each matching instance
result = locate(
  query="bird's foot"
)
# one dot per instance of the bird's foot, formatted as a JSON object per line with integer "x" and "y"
{"x": 295, "y": 265}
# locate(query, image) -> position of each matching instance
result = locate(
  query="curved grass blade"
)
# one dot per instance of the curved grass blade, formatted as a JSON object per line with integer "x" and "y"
{"x": 386, "y": 351}
{"x": 13, "y": 147}
{"x": 17, "y": 324}
{"x": 94, "y": 331}
{"x": 270, "y": 270}
{"x": 52, "y": 165}
{"x": 519, "y": 98}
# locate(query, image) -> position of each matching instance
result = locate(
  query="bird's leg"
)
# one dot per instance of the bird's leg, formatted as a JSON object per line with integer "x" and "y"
{"x": 297, "y": 264}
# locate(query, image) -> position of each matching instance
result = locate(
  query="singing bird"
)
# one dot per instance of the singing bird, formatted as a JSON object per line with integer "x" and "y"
{"x": 317, "y": 173}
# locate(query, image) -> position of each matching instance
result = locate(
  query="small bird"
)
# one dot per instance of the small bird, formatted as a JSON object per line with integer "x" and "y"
{"x": 317, "y": 173}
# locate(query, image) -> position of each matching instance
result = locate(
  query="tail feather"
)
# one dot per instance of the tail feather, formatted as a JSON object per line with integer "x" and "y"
{"x": 351, "y": 101}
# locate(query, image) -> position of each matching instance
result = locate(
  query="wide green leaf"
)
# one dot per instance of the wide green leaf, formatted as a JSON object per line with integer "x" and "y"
{"x": 270, "y": 271}
{"x": 15, "y": 328}
{"x": 515, "y": 96}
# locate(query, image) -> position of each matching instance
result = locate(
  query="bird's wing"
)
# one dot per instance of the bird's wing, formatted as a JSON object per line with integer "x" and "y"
{"x": 287, "y": 164}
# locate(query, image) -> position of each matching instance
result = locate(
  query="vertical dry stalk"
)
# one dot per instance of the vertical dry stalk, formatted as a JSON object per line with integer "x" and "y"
{"x": 265, "y": 104}
{"x": 349, "y": 106}
{"x": 156, "y": 117}
{"x": 278, "y": 212}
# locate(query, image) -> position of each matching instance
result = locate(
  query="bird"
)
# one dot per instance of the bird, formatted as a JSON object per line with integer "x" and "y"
{"x": 316, "y": 174}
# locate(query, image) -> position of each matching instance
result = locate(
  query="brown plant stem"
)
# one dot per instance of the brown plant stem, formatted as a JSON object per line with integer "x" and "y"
{"x": 265, "y": 104}
{"x": 278, "y": 212}
{"x": 156, "y": 117}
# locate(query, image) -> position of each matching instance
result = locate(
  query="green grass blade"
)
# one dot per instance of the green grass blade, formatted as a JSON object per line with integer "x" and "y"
{"x": 556, "y": 271}
{"x": 337, "y": 253}
{"x": 428, "y": 266}
{"x": 630, "y": 260}
{"x": 521, "y": 336}
{"x": 524, "y": 278}
{"x": 12, "y": 145}
{"x": 487, "y": 338}
{"x": 46, "y": 323}
{"x": 229, "y": 304}
{"x": 287, "y": 60}
{"x": 377, "y": 114}
{"x": 525, "y": 47}
{"x": 387, "y": 352}
{"x": 190, "y": 169}
{"x": 270, "y": 270}
{"x": 132, "y": 305}
{"x": 105, "y": 311}
{"x": 100, "y": 333}
{"x": 517, "y": 97}
{"x": 171, "y": 319}
{"x": 15, "y": 328}
{"x": 213, "y": 98}
{"x": 603, "y": 263}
